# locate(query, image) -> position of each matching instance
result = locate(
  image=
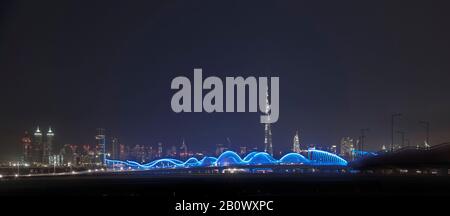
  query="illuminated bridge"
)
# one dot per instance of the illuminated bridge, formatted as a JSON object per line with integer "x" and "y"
{"x": 230, "y": 159}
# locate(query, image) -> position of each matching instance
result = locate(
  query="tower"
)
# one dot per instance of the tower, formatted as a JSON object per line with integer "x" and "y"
{"x": 267, "y": 130}
{"x": 100, "y": 145}
{"x": 27, "y": 148}
{"x": 47, "y": 146}
{"x": 37, "y": 146}
{"x": 296, "y": 143}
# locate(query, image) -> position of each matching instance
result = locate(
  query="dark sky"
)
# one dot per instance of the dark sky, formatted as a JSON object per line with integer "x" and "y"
{"x": 343, "y": 66}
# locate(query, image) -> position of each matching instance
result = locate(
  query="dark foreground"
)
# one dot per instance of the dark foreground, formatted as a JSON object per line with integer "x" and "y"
{"x": 227, "y": 185}
{"x": 289, "y": 193}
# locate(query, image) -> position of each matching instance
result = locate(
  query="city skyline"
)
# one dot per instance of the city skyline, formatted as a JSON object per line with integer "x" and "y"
{"x": 334, "y": 80}
{"x": 255, "y": 107}
{"x": 40, "y": 148}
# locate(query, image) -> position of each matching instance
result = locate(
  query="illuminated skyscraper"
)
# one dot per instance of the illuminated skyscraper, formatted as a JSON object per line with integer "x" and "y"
{"x": 37, "y": 146}
{"x": 27, "y": 148}
{"x": 100, "y": 141}
{"x": 296, "y": 143}
{"x": 267, "y": 130}
{"x": 47, "y": 146}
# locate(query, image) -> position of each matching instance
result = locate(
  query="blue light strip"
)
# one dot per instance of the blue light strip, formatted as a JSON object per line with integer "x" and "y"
{"x": 231, "y": 158}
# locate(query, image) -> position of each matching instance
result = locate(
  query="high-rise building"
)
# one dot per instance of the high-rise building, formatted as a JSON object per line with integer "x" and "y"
{"x": 138, "y": 153}
{"x": 296, "y": 143}
{"x": 27, "y": 148}
{"x": 347, "y": 148}
{"x": 160, "y": 150}
{"x": 124, "y": 152}
{"x": 267, "y": 130}
{"x": 115, "y": 148}
{"x": 37, "y": 146}
{"x": 149, "y": 155}
{"x": 100, "y": 141}
{"x": 172, "y": 152}
{"x": 183, "y": 150}
{"x": 47, "y": 149}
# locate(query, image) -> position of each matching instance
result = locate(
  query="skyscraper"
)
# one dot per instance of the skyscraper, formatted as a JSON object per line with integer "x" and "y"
{"x": 100, "y": 141}
{"x": 183, "y": 150}
{"x": 47, "y": 146}
{"x": 27, "y": 148}
{"x": 267, "y": 130}
{"x": 37, "y": 146}
{"x": 115, "y": 148}
{"x": 296, "y": 143}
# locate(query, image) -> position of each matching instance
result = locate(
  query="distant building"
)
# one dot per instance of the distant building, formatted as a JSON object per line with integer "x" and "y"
{"x": 138, "y": 153}
{"x": 160, "y": 150}
{"x": 220, "y": 148}
{"x": 347, "y": 148}
{"x": 56, "y": 160}
{"x": 100, "y": 144}
{"x": 115, "y": 148}
{"x": 149, "y": 154}
{"x": 37, "y": 146}
{"x": 183, "y": 150}
{"x": 268, "y": 147}
{"x": 69, "y": 154}
{"x": 86, "y": 155}
{"x": 172, "y": 152}
{"x": 27, "y": 148}
{"x": 296, "y": 143}
{"x": 124, "y": 152}
{"x": 243, "y": 150}
{"x": 47, "y": 148}
{"x": 333, "y": 149}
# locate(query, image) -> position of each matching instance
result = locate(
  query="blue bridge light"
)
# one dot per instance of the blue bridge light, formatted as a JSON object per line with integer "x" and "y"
{"x": 231, "y": 158}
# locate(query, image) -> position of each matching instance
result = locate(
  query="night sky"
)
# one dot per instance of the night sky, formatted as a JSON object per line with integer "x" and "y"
{"x": 343, "y": 66}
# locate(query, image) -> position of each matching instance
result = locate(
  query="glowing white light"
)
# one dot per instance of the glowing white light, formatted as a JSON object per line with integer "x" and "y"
{"x": 16, "y": 175}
